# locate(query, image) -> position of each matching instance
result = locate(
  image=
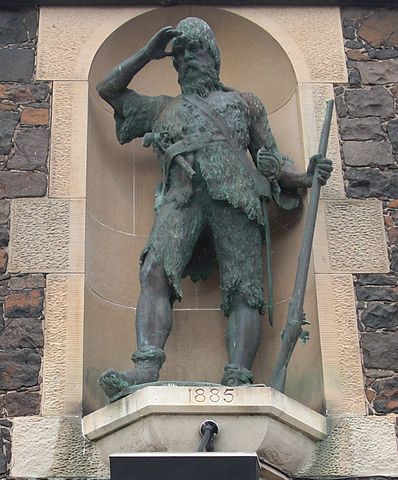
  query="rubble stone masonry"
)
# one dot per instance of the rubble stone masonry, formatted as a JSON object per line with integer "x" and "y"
{"x": 24, "y": 139}
{"x": 367, "y": 110}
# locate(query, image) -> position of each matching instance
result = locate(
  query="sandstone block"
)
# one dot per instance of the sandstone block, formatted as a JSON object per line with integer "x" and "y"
{"x": 380, "y": 29}
{"x": 63, "y": 355}
{"x": 22, "y": 333}
{"x": 380, "y": 350}
{"x": 364, "y": 154}
{"x": 338, "y": 332}
{"x": 353, "y": 226}
{"x": 16, "y": 64}
{"x": 57, "y": 449}
{"x": 371, "y": 182}
{"x": 386, "y": 399}
{"x": 47, "y": 235}
{"x": 32, "y": 149}
{"x": 27, "y": 303}
{"x": 8, "y": 122}
{"x": 34, "y": 116}
{"x": 381, "y": 72}
{"x": 376, "y": 101}
{"x": 22, "y": 184}
{"x": 361, "y": 129}
{"x": 20, "y": 368}
{"x": 380, "y": 315}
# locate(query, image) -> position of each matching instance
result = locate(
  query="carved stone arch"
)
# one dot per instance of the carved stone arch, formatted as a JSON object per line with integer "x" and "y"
{"x": 120, "y": 187}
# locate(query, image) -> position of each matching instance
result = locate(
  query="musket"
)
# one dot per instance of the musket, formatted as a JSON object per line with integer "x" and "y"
{"x": 296, "y": 318}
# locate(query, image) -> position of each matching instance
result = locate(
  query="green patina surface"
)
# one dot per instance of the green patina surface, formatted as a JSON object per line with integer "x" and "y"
{"x": 211, "y": 206}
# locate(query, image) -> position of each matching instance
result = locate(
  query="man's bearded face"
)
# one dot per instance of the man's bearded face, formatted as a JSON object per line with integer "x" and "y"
{"x": 195, "y": 65}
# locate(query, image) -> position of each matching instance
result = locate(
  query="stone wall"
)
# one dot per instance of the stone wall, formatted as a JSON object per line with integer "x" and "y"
{"x": 367, "y": 110}
{"x": 24, "y": 140}
{"x": 368, "y": 120}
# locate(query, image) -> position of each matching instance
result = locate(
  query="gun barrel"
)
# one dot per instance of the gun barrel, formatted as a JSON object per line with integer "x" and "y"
{"x": 185, "y": 165}
{"x": 294, "y": 321}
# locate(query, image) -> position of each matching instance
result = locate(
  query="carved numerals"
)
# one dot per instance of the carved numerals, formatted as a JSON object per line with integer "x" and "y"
{"x": 212, "y": 395}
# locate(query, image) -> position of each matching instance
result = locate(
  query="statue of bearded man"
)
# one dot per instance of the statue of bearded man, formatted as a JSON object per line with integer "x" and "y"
{"x": 209, "y": 204}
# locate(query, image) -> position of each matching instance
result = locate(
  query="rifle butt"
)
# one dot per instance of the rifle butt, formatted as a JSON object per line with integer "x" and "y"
{"x": 278, "y": 380}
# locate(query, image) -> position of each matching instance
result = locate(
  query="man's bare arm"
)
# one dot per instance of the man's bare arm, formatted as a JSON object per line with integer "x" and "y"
{"x": 118, "y": 79}
{"x": 263, "y": 146}
{"x": 290, "y": 177}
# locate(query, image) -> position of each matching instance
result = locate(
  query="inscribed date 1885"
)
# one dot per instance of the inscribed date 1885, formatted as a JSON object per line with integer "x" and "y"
{"x": 212, "y": 395}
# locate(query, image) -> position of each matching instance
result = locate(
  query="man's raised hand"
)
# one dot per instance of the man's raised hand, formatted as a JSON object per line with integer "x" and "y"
{"x": 156, "y": 47}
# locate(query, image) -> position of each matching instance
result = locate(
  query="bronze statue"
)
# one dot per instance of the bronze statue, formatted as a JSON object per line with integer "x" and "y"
{"x": 209, "y": 203}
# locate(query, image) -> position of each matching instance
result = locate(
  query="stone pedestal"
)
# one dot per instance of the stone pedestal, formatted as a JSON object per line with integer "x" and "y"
{"x": 257, "y": 419}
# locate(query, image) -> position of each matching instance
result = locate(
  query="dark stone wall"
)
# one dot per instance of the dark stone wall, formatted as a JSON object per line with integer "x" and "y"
{"x": 24, "y": 140}
{"x": 368, "y": 120}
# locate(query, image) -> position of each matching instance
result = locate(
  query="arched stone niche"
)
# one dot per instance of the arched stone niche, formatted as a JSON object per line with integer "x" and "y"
{"x": 76, "y": 46}
{"x": 119, "y": 215}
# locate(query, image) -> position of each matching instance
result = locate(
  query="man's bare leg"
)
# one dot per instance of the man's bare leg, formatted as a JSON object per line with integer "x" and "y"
{"x": 153, "y": 325}
{"x": 154, "y": 314}
{"x": 243, "y": 340}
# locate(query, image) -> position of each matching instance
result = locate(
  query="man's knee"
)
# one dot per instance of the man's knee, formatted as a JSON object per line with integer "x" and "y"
{"x": 238, "y": 300}
{"x": 244, "y": 303}
{"x": 152, "y": 274}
